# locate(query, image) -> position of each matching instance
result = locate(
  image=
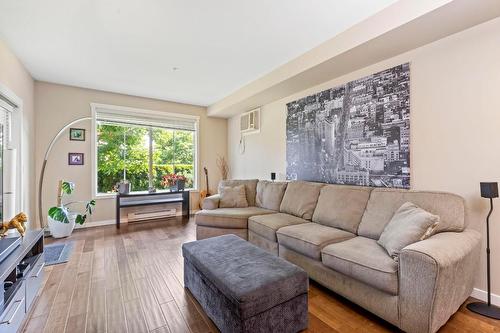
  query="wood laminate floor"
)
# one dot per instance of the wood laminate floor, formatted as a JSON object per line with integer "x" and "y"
{"x": 130, "y": 280}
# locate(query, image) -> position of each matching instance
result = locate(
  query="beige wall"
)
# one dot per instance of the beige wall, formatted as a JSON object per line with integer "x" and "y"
{"x": 455, "y": 124}
{"x": 16, "y": 78}
{"x": 57, "y": 105}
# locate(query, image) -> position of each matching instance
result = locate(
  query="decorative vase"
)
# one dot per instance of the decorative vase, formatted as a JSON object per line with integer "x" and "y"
{"x": 180, "y": 185}
{"x": 173, "y": 188}
{"x": 60, "y": 229}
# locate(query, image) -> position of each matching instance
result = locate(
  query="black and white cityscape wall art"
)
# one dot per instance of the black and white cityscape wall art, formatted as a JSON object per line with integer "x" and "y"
{"x": 357, "y": 133}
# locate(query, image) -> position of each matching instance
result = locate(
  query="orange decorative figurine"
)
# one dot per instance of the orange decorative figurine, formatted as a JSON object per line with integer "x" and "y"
{"x": 17, "y": 222}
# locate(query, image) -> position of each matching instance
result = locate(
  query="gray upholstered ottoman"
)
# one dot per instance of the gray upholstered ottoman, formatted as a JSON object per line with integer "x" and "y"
{"x": 243, "y": 288}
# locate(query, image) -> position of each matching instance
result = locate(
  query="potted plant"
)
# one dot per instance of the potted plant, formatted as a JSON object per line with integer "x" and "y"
{"x": 174, "y": 182}
{"x": 61, "y": 218}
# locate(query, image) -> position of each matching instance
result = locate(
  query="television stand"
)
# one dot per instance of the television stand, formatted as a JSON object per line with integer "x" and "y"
{"x": 21, "y": 276}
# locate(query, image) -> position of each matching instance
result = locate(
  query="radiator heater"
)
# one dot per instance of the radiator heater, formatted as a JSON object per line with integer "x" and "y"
{"x": 151, "y": 215}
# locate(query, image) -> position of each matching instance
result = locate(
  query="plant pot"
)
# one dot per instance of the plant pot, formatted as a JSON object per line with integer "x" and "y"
{"x": 180, "y": 185}
{"x": 173, "y": 188}
{"x": 60, "y": 229}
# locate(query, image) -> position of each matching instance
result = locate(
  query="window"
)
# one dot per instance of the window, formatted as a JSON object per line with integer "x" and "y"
{"x": 141, "y": 146}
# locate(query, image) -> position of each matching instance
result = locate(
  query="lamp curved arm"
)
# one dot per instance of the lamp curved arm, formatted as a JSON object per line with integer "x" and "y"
{"x": 44, "y": 164}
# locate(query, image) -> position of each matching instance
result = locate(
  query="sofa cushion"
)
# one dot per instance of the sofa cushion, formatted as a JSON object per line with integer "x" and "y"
{"x": 250, "y": 187}
{"x": 233, "y": 197}
{"x": 341, "y": 206}
{"x": 409, "y": 225}
{"x": 270, "y": 194}
{"x": 267, "y": 225}
{"x": 310, "y": 238}
{"x": 384, "y": 203}
{"x": 228, "y": 217}
{"x": 211, "y": 202}
{"x": 363, "y": 259}
{"x": 300, "y": 199}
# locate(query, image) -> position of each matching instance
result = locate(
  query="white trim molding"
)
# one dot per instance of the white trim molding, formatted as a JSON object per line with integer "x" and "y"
{"x": 17, "y": 141}
{"x": 483, "y": 296}
{"x": 98, "y": 224}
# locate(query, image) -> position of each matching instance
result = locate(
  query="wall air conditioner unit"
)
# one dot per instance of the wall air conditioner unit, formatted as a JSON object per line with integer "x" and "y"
{"x": 250, "y": 122}
{"x": 151, "y": 215}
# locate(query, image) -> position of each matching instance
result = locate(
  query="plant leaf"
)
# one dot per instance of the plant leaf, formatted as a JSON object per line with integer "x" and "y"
{"x": 68, "y": 187}
{"x": 59, "y": 214}
{"x": 80, "y": 219}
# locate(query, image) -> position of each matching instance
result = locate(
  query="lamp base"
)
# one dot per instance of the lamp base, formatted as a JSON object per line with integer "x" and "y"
{"x": 484, "y": 310}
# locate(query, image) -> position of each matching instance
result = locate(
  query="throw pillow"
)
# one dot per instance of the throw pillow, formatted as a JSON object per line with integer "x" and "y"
{"x": 233, "y": 197}
{"x": 270, "y": 194}
{"x": 409, "y": 224}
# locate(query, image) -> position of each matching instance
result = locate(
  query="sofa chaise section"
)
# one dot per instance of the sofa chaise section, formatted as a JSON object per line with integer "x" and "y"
{"x": 261, "y": 196}
{"x": 222, "y": 221}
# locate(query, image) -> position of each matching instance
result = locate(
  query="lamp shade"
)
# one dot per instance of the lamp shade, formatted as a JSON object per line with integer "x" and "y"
{"x": 489, "y": 190}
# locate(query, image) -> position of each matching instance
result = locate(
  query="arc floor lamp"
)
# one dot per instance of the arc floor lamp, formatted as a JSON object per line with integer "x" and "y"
{"x": 44, "y": 164}
{"x": 489, "y": 191}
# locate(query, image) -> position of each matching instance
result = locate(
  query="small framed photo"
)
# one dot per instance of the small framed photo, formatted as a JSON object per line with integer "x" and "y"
{"x": 77, "y": 134}
{"x": 75, "y": 158}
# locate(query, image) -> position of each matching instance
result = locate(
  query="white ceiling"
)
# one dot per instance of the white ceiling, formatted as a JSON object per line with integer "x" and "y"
{"x": 131, "y": 47}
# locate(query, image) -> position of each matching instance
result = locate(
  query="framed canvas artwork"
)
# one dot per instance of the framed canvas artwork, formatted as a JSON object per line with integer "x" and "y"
{"x": 75, "y": 158}
{"x": 77, "y": 134}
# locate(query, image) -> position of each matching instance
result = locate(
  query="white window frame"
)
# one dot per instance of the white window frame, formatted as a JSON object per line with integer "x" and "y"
{"x": 124, "y": 110}
{"x": 17, "y": 141}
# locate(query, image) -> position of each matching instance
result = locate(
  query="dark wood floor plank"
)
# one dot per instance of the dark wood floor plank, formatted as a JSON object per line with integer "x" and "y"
{"x": 175, "y": 320}
{"x": 151, "y": 307}
{"x": 96, "y": 316}
{"x": 115, "y": 313}
{"x": 135, "y": 317}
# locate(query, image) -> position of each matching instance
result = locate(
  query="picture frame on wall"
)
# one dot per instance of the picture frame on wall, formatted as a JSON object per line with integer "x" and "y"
{"x": 77, "y": 134}
{"x": 75, "y": 158}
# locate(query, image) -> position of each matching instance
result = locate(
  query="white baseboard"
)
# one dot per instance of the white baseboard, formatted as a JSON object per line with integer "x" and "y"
{"x": 483, "y": 296}
{"x": 112, "y": 222}
{"x": 97, "y": 224}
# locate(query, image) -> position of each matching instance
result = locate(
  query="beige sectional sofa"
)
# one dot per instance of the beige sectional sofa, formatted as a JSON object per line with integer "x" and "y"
{"x": 332, "y": 230}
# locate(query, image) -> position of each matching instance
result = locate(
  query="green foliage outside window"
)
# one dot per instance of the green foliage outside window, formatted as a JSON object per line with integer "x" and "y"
{"x": 123, "y": 154}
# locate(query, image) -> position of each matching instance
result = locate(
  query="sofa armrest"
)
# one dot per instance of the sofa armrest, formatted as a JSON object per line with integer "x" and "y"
{"x": 436, "y": 276}
{"x": 211, "y": 202}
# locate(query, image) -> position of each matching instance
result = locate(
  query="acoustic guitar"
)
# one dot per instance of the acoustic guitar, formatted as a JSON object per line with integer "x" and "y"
{"x": 205, "y": 193}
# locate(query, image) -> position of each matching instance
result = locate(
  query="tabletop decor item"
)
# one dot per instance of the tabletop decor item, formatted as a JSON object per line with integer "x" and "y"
{"x": 61, "y": 218}
{"x": 123, "y": 187}
{"x": 17, "y": 222}
{"x": 174, "y": 182}
{"x": 223, "y": 167}
{"x": 77, "y": 134}
{"x": 489, "y": 191}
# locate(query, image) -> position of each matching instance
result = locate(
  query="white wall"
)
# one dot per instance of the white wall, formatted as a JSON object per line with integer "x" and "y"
{"x": 455, "y": 124}
{"x": 15, "y": 78}
{"x": 57, "y": 105}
